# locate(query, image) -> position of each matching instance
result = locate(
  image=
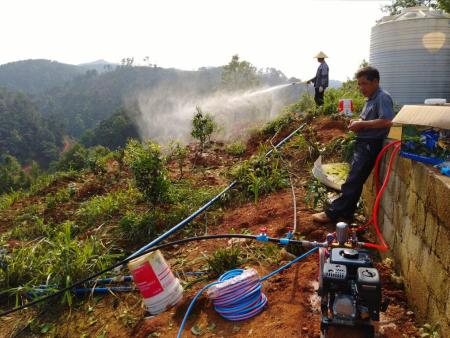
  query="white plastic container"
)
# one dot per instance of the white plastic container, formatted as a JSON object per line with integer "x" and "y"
{"x": 435, "y": 101}
{"x": 158, "y": 286}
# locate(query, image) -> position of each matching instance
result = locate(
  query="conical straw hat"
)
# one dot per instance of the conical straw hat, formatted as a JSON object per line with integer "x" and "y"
{"x": 321, "y": 55}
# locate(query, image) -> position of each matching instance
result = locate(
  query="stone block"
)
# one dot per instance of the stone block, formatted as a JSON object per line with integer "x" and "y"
{"x": 447, "y": 306}
{"x": 403, "y": 255}
{"x": 393, "y": 181}
{"x": 442, "y": 247}
{"x": 431, "y": 230}
{"x": 417, "y": 292}
{"x": 388, "y": 230}
{"x": 435, "y": 314}
{"x": 403, "y": 170}
{"x": 414, "y": 246}
{"x": 443, "y": 199}
{"x": 436, "y": 276}
{"x": 400, "y": 193}
{"x": 431, "y": 197}
{"x": 412, "y": 206}
{"x": 387, "y": 204}
{"x": 419, "y": 224}
{"x": 419, "y": 178}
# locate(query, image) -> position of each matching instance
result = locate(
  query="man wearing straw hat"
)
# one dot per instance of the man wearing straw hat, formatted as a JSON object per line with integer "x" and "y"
{"x": 320, "y": 81}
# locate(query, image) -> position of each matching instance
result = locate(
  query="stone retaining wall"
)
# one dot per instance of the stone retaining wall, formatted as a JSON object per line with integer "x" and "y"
{"x": 415, "y": 221}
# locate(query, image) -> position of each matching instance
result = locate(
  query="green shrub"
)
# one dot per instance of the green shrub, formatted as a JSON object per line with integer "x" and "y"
{"x": 203, "y": 126}
{"x": 147, "y": 165}
{"x": 12, "y": 176}
{"x": 260, "y": 175}
{"x": 179, "y": 154}
{"x": 74, "y": 158}
{"x": 236, "y": 148}
{"x": 224, "y": 259}
{"x": 138, "y": 228}
{"x": 61, "y": 196}
{"x": 182, "y": 201}
{"x": 306, "y": 104}
{"x": 278, "y": 123}
{"x": 97, "y": 159}
{"x": 316, "y": 194}
{"x": 78, "y": 158}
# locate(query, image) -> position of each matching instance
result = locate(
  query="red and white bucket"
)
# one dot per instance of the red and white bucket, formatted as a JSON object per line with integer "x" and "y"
{"x": 346, "y": 106}
{"x": 156, "y": 282}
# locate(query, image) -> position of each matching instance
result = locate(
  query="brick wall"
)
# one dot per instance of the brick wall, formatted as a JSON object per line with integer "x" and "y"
{"x": 415, "y": 221}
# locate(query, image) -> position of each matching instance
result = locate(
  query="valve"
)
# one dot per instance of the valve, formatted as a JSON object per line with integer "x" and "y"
{"x": 262, "y": 234}
{"x": 290, "y": 232}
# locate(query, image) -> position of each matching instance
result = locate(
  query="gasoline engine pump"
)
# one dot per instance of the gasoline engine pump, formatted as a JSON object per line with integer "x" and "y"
{"x": 349, "y": 285}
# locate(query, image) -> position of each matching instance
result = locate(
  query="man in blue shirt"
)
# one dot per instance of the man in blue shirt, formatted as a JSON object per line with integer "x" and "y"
{"x": 371, "y": 129}
{"x": 320, "y": 81}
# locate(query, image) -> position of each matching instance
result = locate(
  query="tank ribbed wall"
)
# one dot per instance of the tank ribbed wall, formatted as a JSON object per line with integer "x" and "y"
{"x": 412, "y": 53}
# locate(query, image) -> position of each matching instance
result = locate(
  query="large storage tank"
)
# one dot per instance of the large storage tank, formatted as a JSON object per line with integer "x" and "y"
{"x": 412, "y": 52}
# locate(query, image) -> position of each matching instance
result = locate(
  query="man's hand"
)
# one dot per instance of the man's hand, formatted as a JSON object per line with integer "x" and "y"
{"x": 356, "y": 125}
{"x": 320, "y": 89}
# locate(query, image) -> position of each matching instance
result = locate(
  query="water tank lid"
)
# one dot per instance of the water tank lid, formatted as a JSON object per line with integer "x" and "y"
{"x": 419, "y": 12}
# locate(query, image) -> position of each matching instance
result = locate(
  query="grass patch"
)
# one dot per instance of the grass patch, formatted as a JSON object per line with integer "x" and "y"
{"x": 139, "y": 227}
{"x": 56, "y": 261}
{"x": 102, "y": 208}
{"x": 7, "y": 199}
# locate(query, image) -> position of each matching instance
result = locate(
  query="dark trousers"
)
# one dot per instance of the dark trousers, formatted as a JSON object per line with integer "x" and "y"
{"x": 364, "y": 157}
{"x": 318, "y": 96}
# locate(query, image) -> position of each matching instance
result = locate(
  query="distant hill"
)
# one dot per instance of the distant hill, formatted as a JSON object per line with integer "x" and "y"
{"x": 99, "y": 65}
{"x": 36, "y": 76}
{"x": 90, "y": 98}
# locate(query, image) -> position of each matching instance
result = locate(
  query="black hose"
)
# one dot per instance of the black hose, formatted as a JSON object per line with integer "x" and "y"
{"x": 126, "y": 260}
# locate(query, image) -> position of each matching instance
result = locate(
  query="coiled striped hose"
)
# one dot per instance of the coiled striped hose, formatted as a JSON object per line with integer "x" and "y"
{"x": 241, "y": 300}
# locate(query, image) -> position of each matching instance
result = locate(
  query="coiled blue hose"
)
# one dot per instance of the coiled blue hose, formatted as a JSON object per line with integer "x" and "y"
{"x": 242, "y": 301}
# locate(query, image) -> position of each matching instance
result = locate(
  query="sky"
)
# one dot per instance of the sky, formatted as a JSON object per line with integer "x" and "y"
{"x": 188, "y": 34}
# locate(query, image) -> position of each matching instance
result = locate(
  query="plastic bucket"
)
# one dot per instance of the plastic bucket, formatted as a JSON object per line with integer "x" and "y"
{"x": 158, "y": 286}
{"x": 346, "y": 106}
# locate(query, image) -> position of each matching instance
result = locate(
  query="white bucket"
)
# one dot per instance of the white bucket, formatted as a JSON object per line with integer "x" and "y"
{"x": 156, "y": 282}
{"x": 346, "y": 107}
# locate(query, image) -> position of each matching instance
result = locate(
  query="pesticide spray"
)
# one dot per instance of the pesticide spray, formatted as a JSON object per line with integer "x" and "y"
{"x": 166, "y": 111}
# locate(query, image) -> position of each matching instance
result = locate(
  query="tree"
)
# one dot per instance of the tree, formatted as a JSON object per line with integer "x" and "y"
{"x": 444, "y": 5}
{"x": 147, "y": 165}
{"x": 398, "y": 5}
{"x": 239, "y": 75}
{"x": 203, "y": 126}
{"x": 114, "y": 132}
{"x": 12, "y": 177}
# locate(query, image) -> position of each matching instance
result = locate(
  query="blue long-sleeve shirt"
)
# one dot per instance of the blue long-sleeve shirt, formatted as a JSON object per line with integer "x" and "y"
{"x": 321, "y": 78}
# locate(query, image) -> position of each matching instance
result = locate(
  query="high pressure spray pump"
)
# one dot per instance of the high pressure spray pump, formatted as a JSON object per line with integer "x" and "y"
{"x": 349, "y": 285}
